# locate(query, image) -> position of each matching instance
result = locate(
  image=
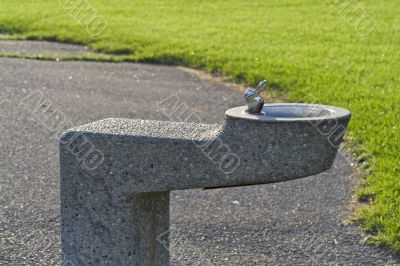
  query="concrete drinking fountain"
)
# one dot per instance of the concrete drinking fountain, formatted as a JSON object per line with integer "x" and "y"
{"x": 115, "y": 204}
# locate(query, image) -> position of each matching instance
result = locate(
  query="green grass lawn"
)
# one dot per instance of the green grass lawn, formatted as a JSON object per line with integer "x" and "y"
{"x": 309, "y": 50}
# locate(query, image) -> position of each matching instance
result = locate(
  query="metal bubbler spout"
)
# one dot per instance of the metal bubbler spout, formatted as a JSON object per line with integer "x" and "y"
{"x": 254, "y": 102}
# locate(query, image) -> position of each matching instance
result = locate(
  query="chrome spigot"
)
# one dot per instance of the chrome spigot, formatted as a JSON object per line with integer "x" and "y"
{"x": 254, "y": 102}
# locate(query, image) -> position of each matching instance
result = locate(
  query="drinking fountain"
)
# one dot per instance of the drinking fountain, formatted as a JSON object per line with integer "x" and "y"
{"x": 115, "y": 204}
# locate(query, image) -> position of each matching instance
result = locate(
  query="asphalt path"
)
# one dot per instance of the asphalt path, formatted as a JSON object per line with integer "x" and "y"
{"x": 301, "y": 222}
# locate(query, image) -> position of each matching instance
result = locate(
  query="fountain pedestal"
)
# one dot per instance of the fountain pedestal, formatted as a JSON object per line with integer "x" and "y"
{"x": 116, "y": 174}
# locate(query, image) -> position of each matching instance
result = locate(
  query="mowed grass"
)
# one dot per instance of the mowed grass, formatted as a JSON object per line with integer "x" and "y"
{"x": 309, "y": 51}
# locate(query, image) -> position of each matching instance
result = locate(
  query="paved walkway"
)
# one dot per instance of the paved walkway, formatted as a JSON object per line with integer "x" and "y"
{"x": 299, "y": 222}
{"x": 42, "y": 48}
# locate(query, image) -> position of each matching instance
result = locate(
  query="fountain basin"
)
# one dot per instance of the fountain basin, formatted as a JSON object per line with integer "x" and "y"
{"x": 285, "y": 141}
{"x": 290, "y": 112}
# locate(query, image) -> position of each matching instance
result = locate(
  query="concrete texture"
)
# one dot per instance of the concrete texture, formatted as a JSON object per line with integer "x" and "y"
{"x": 148, "y": 156}
{"x": 300, "y": 222}
{"x": 102, "y": 212}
